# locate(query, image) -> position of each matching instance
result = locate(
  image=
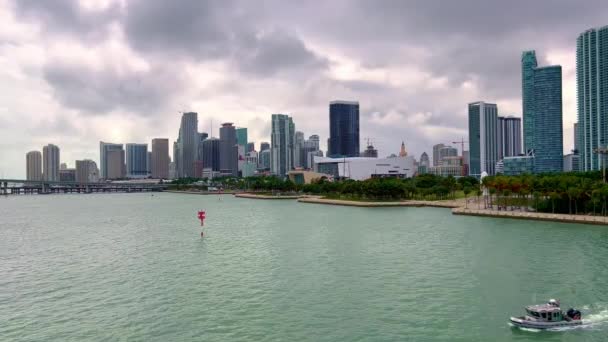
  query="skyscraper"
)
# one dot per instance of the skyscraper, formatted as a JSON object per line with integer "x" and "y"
{"x": 576, "y": 138}
{"x": 424, "y": 160}
{"x": 50, "y": 162}
{"x": 310, "y": 148}
{"x": 282, "y": 141}
{"x": 299, "y": 156}
{"x": 228, "y": 150}
{"x": 33, "y": 165}
{"x": 436, "y": 157}
{"x": 402, "y": 151}
{"x": 86, "y": 171}
{"x": 264, "y": 146}
{"x": 137, "y": 160}
{"x": 483, "y": 149}
{"x": 509, "y": 136}
{"x": 188, "y": 144}
{"x": 592, "y": 96}
{"x": 343, "y": 129}
{"x": 115, "y": 164}
{"x": 250, "y": 147}
{"x": 104, "y": 148}
{"x": 160, "y": 158}
{"x": 542, "y": 110}
{"x": 211, "y": 154}
{"x": 241, "y": 136}
{"x": 447, "y": 151}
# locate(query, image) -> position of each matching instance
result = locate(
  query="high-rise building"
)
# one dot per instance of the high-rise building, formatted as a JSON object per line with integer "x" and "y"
{"x": 201, "y": 138}
{"x": 447, "y": 151}
{"x": 137, "y": 160}
{"x": 343, "y": 129}
{"x": 370, "y": 151}
{"x": 160, "y": 158}
{"x": 576, "y": 138}
{"x": 33, "y": 166}
{"x": 104, "y": 148}
{"x": 483, "y": 148}
{"x": 299, "y": 156}
{"x": 309, "y": 147}
{"x": 50, "y": 163}
{"x": 436, "y": 157}
{"x": 402, "y": 151}
{"x": 188, "y": 144}
{"x": 424, "y": 160}
{"x": 211, "y": 154}
{"x": 264, "y": 146}
{"x": 509, "y": 136}
{"x": 592, "y": 97}
{"x": 571, "y": 162}
{"x": 176, "y": 160}
{"x": 542, "y": 111}
{"x": 282, "y": 142}
{"x": 250, "y": 147}
{"x": 264, "y": 160}
{"x": 228, "y": 150}
{"x": 115, "y": 164}
{"x": 67, "y": 175}
{"x": 241, "y": 136}
{"x": 86, "y": 171}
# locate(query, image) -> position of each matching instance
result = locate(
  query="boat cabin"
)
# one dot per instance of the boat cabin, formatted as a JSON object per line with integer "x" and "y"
{"x": 544, "y": 312}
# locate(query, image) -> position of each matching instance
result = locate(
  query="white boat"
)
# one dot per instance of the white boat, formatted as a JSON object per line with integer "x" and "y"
{"x": 547, "y": 316}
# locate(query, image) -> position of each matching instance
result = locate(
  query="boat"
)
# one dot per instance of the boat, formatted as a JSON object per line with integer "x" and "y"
{"x": 547, "y": 316}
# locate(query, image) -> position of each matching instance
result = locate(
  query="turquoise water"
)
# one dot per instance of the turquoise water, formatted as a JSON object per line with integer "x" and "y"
{"x": 133, "y": 267}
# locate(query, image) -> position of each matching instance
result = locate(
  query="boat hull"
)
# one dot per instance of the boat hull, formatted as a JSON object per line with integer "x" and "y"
{"x": 525, "y": 323}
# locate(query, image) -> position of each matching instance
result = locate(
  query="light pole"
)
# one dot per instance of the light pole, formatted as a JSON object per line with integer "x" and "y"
{"x": 602, "y": 151}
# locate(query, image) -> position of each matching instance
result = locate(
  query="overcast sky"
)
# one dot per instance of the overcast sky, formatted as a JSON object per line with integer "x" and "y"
{"x": 77, "y": 72}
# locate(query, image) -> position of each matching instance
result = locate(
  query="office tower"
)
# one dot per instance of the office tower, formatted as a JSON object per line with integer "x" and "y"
{"x": 343, "y": 129}
{"x": 264, "y": 146}
{"x": 201, "y": 137}
{"x": 160, "y": 158}
{"x": 241, "y": 136}
{"x": 542, "y": 111}
{"x": 176, "y": 160}
{"x": 63, "y": 166}
{"x": 436, "y": 158}
{"x": 172, "y": 170}
{"x": 187, "y": 145}
{"x": 370, "y": 151}
{"x": 50, "y": 163}
{"x": 299, "y": 156}
{"x": 211, "y": 154}
{"x": 447, "y": 151}
{"x": 576, "y": 138}
{"x": 264, "y": 160}
{"x": 104, "y": 148}
{"x": 483, "y": 148}
{"x": 137, "y": 160}
{"x": 282, "y": 140}
{"x": 33, "y": 166}
{"x": 115, "y": 164}
{"x": 592, "y": 97}
{"x": 228, "y": 150}
{"x": 250, "y": 147}
{"x": 509, "y": 136}
{"x": 424, "y": 160}
{"x": 311, "y": 145}
{"x": 86, "y": 171}
{"x": 67, "y": 175}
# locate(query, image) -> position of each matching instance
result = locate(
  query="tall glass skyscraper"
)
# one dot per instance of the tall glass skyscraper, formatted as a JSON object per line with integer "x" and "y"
{"x": 282, "y": 141}
{"x": 137, "y": 160}
{"x": 188, "y": 144}
{"x": 229, "y": 155}
{"x": 592, "y": 93}
{"x": 483, "y": 148}
{"x": 509, "y": 136}
{"x": 343, "y": 129}
{"x": 542, "y": 111}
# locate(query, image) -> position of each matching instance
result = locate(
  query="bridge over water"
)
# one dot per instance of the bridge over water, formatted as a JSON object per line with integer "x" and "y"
{"x": 25, "y": 187}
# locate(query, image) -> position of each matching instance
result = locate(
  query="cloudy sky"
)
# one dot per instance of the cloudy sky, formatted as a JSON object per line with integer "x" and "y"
{"x": 77, "y": 72}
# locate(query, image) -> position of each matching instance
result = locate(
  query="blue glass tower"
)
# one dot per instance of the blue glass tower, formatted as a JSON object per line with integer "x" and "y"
{"x": 483, "y": 140}
{"x": 343, "y": 129}
{"x": 528, "y": 65}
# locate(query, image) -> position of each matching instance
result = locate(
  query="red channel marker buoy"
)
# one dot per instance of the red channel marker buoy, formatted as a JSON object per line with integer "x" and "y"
{"x": 201, "y": 216}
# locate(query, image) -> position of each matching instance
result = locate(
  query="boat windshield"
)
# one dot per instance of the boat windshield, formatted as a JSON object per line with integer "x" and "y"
{"x": 533, "y": 313}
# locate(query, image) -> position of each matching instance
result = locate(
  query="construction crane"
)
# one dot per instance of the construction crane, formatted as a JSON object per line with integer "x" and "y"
{"x": 461, "y": 142}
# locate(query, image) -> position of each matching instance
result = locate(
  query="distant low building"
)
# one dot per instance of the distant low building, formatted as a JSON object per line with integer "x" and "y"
{"x": 513, "y": 166}
{"x": 360, "y": 168}
{"x": 306, "y": 177}
{"x": 67, "y": 175}
{"x": 450, "y": 166}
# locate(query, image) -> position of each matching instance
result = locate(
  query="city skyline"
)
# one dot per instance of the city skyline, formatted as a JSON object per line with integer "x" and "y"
{"x": 75, "y": 93}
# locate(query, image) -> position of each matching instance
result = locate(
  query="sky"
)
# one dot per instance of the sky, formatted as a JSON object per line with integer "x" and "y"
{"x": 76, "y": 72}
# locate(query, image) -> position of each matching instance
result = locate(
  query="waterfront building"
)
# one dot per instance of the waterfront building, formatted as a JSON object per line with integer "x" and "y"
{"x": 187, "y": 144}
{"x": 67, "y": 175}
{"x": 592, "y": 96}
{"x": 298, "y": 153}
{"x": 50, "y": 163}
{"x": 251, "y": 164}
{"x": 483, "y": 149}
{"x": 115, "y": 164}
{"x": 571, "y": 162}
{"x": 228, "y": 150}
{"x": 542, "y": 109}
{"x": 436, "y": 158}
{"x": 307, "y": 176}
{"x": 282, "y": 142}
{"x": 450, "y": 166}
{"x": 172, "y": 170}
{"x": 211, "y": 154}
{"x": 509, "y": 136}
{"x": 33, "y": 166}
{"x": 518, "y": 165}
{"x": 160, "y": 158}
{"x": 343, "y": 129}
{"x": 264, "y": 160}
{"x": 104, "y": 148}
{"x": 137, "y": 160}
{"x": 176, "y": 160}
{"x": 360, "y": 168}
{"x": 264, "y": 146}
{"x": 86, "y": 171}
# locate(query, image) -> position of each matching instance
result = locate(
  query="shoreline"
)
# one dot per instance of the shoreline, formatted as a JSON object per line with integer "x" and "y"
{"x": 534, "y": 216}
{"x": 437, "y": 204}
{"x": 198, "y": 192}
{"x": 266, "y": 197}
